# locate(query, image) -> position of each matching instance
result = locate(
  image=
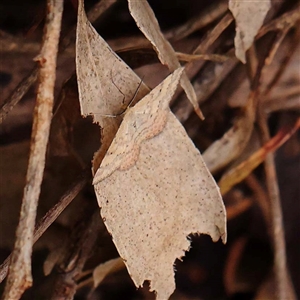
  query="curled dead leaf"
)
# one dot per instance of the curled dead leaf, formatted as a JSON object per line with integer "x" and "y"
{"x": 148, "y": 24}
{"x": 249, "y": 17}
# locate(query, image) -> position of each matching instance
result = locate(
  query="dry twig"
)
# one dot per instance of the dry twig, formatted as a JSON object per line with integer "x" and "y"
{"x": 207, "y": 79}
{"x": 213, "y": 12}
{"x": 66, "y": 282}
{"x": 19, "y": 277}
{"x": 67, "y": 43}
{"x": 181, "y": 110}
{"x": 52, "y": 215}
{"x": 284, "y": 287}
{"x": 287, "y": 58}
{"x": 241, "y": 171}
{"x": 18, "y": 93}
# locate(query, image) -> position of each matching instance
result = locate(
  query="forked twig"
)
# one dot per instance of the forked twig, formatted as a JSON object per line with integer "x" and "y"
{"x": 19, "y": 277}
{"x": 75, "y": 257}
{"x": 292, "y": 49}
{"x": 284, "y": 288}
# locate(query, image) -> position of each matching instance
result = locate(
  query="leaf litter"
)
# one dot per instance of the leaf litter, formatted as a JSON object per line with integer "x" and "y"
{"x": 114, "y": 83}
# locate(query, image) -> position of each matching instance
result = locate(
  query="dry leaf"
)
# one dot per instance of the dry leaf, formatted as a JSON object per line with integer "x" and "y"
{"x": 148, "y": 24}
{"x": 154, "y": 190}
{"x": 111, "y": 266}
{"x": 249, "y": 17}
{"x": 105, "y": 83}
{"x": 233, "y": 142}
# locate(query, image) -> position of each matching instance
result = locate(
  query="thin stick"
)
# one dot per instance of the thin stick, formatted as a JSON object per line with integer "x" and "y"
{"x": 22, "y": 88}
{"x": 18, "y": 93}
{"x": 205, "y": 17}
{"x": 260, "y": 196}
{"x": 75, "y": 258}
{"x": 284, "y": 288}
{"x": 51, "y": 215}
{"x": 283, "y": 285}
{"x": 192, "y": 68}
{"x": 288, "y": 19}
{"x": 286, "y": 60}
{"x": 19, "y": 276}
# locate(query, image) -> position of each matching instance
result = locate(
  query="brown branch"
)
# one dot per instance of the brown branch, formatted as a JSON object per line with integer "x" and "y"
{"x": 291, "y": 102}
{"x": 287, "y": 58}
{"x": 205, "y": 17}
{"x": 284, "y": 287}
{"x": 180, "y": 109}
{"x": 244, "y": 169}
{"x": 185, "y": 57}
{"x": 98, "y": 9}
{"x": 52, "y": 215}
{"x": 18, "y": 93}
{"x": 19, "y": 277}
{"x": 260, "y": 196}
{"x": 75, "y": 258}
{"x": 58, "y": 208}
{"x": 286, "y": 20}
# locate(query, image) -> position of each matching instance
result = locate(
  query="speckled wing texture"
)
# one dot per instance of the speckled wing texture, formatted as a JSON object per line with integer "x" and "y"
{"x": 106, "y": 85}
{"x": 154, "y": 190}
{"x": 102, "y": 75}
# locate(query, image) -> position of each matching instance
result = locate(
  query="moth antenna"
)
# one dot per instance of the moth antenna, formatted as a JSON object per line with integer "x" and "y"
{"x": 132, "y": 99}
{"x": 130, "y": 102}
